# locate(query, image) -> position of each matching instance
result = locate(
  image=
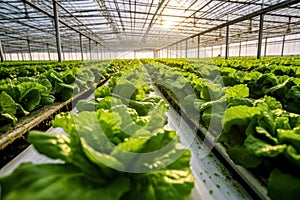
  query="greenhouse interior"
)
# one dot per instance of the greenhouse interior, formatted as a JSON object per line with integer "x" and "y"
{"x": 140, "y": 99}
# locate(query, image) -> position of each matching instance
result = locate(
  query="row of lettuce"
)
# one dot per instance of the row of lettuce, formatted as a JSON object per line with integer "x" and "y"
{"x": 34, "y": 68}
{"x": 252, "y": 111}
{"x": 53, "y": 82}
{"x": 117, "y": 147}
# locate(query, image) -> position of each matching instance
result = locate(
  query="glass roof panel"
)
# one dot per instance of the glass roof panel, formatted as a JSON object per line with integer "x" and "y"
{"x": 121, "y": 25}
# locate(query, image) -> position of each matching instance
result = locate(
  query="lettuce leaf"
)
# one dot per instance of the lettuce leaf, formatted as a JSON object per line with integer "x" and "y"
{"x": 237, "y": 91}
{"x": 282, "y": 185}
{"x": 8, "y": 108}
{"x": 59, "y": 181}
{"x": 102, "y": 91}
{"x": 261, "y": 148}
{"x": 160, "y": 185}
{"x": 235, "y": 122}
{"x": 290, "y": 136}
{"x": 242, "y": 156}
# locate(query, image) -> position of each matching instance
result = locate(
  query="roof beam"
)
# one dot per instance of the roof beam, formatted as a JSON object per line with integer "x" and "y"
{"x": 61, "y": 21}
{"x": 240, "y": 19}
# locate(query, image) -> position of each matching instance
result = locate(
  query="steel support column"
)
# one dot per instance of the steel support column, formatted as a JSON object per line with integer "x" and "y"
{"x": 1, "y": 52}
{"x": 81, "y": 48}
{"x": 101, "y": 55}
{"x": 260, "y": 35}
{"x": 186, "y": 49}
{"x": 283, "y": 43}
{"x": 266, "y": 45}
{"x": 71, "y": 53}
{"x": 4, "y": 54}
{"x": 176, "y": 51}
{"x": 10, "y": 56}
{"x": 227, "y": 43}
{"x": 57, "y": 33}
{"x": 29, "y": 49}
{"x": 198, "y": 46}
{"x": 240, "y": 48}
{"x": 48, "y": 50}
{"x": 97, "y": 51}
{"x": 181, "y": 54}
{"x": 221, "y": 50}
{"x": 90, "y": 49}
{"x": 167, "y": 52}
{"x": 22, "y": 56}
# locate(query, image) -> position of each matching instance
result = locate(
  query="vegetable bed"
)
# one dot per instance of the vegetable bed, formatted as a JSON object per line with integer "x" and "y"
{"x": 251, "y": 106}
{"x": 63, "y": 89}
{"x": 141, "y": 160}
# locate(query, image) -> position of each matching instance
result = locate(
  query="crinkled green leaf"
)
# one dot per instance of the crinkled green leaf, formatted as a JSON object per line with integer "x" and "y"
{"x": 266, "y": 121}
{"x": 293, "y": 118}
{"x": 65, "y": 92}
{"x": 65, "y": 121}
{"x": 106, "y": 162}
{"x": 69, "y": 76}
{"x": 242, "y": 156}
{"x": 268, "y": 103}
{"x": 136, "y": 125}
{"x": 68, "y": 149}
{"x": 237, "y": 91}
{"x": 102, "y": 91}
{"x": 46, "y": 100}
{"x": 59, "y": 181}
{"x": 7, "y": 104}
{"x": 96, "y": 132}
{"x": 161, "y": 185}
{"x": 86, "y": 105}
{"x": 141, "y": 107}
{"x": 253, "y": 75}
{"x": 107, "y": 102}
{"x": 282, "y": 123}
{"x": 212, "y": 116}
{"x": 261, "y": 148}
{"x": 290, "y": 137}
{"x": 239, "y": 101}
{"x": 264, "y": 133}
{"x": 45, "y": 82}
{"x": 149, "y": 153}
{"x": 238, "y": 116}
{"x": 56, "y": 146}
{"x": 86, "y": 75}
{"x": 30, "y": 99}
{"x": 276, "y": 87}
{"x": 292, "y": 155}
{"x": 27, "y": 86}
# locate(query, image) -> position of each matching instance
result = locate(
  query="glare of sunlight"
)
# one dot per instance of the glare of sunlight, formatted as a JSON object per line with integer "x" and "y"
{"x": 169, "y": 18}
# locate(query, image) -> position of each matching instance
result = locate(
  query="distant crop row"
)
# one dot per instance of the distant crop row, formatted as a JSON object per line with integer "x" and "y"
{"x": 49, "y": 83}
